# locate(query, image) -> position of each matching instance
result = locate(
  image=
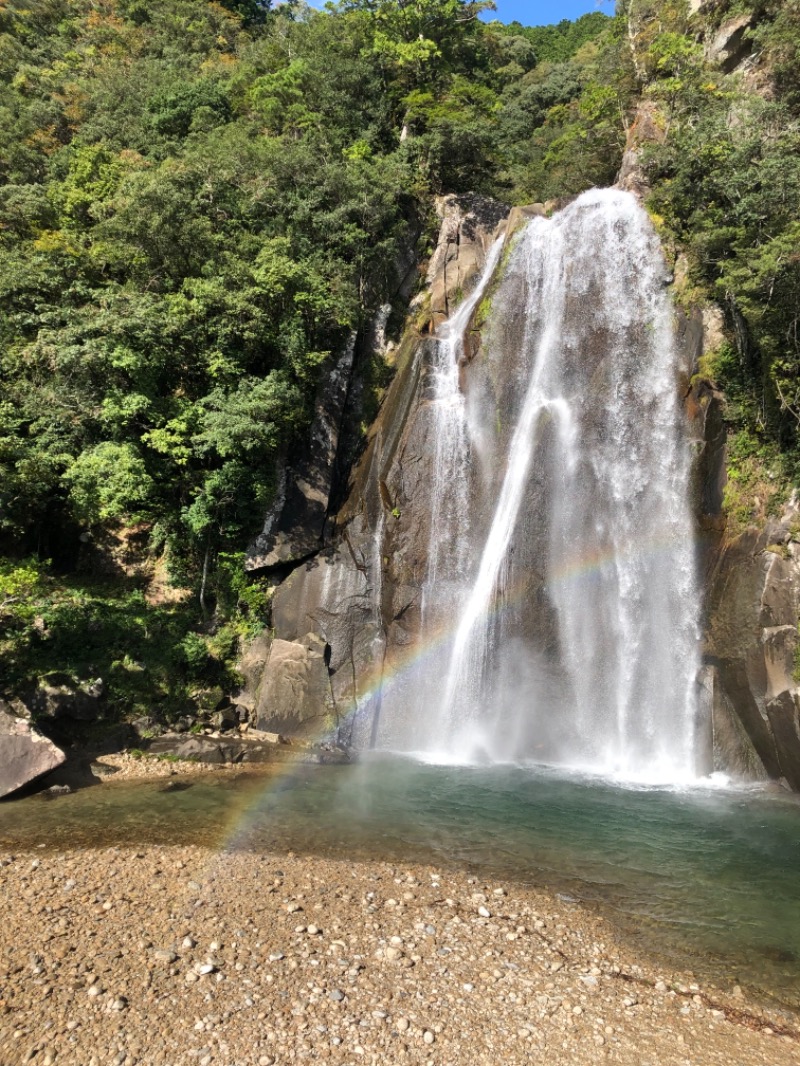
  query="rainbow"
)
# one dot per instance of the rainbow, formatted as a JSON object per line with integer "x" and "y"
{"x": 384, "y": 676}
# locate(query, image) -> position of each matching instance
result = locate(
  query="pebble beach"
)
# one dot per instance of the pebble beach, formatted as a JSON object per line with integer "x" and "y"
{"x": 182, "y": 956}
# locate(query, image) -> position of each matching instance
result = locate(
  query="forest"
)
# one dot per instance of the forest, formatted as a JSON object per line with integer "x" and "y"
{"x": 201, "y": 201}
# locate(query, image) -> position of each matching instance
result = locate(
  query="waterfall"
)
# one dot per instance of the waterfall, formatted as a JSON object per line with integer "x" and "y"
{"x": 449, "y": 555}
{"x": 562, "y": 560}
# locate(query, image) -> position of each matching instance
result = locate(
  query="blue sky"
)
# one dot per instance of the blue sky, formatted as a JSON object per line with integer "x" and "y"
{"x": 542, "y": 12}
{"x": 537, "y": 12}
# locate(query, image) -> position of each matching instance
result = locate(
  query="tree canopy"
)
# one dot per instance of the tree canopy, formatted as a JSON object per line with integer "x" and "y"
{"x": 201, "y": 201}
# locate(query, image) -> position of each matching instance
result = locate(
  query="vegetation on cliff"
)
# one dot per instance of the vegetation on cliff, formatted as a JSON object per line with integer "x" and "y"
{"x": 726, "y": 184}
{"x": 199, "y": 201}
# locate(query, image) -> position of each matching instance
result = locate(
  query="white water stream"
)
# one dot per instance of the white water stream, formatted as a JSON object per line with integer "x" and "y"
{"x": 450, "y": 547}
{"x": 590, "y": 493}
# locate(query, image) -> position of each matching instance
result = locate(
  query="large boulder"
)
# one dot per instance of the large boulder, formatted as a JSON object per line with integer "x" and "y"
{"x": 251, "y": 667}
{"x": 294, "y": 694}
{"x": 24, "y": 753}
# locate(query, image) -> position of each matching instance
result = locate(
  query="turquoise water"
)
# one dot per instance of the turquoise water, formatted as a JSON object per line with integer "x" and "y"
{"x": 706, "y": 879}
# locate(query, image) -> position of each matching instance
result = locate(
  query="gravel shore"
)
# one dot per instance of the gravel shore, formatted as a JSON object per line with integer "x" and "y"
{"x": 171, "y": 955}
{"x": 122, "y": 766}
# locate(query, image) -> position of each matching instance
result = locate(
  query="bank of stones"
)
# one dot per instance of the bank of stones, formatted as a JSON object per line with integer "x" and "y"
{"x": 186, "y": 957}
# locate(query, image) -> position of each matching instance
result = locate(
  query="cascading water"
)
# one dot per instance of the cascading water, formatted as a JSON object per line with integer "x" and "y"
{"x": 561, "y": 543}
{"x": 449, "y": 555}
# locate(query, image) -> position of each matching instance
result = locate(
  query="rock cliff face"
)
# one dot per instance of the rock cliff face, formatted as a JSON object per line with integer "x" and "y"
{"x": 349, "y": 615}
{"x": 295, "y": 524}
{"x": 750, "y": 585}
{"x": 646, "y": 128}
{"x": 750, "y": 647}
{"x": 730, "y": 46}
{"x": 751, "y": 589}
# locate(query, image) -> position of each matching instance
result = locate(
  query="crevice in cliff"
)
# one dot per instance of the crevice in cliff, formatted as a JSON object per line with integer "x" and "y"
{"x": 280, "y": 572}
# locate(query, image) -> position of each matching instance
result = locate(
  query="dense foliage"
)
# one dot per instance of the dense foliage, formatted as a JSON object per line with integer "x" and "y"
{"x": 201, "y": 201}
{"x": 726, "y": 185}
{"x": 560, "y": 42}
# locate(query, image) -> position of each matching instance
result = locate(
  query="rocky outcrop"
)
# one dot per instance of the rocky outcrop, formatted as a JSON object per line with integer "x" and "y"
{"x": 750, "y": 586}
{"x": 309, "y": 480}
{"x": 25, "y": 754}
{"x": 466, "y": 234}
{"x": 699, "y": 333}
{"x": 349, "y": 614}
{"x": 646, "y": 128}
{"x": 295, "y": 524}
{"x": 751, "y": 591}
{"x": 256, "y": 749}
{"x": 751, "y": 643}
{"x": 731, "y": 45}
{"x": 58, "y": 696}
